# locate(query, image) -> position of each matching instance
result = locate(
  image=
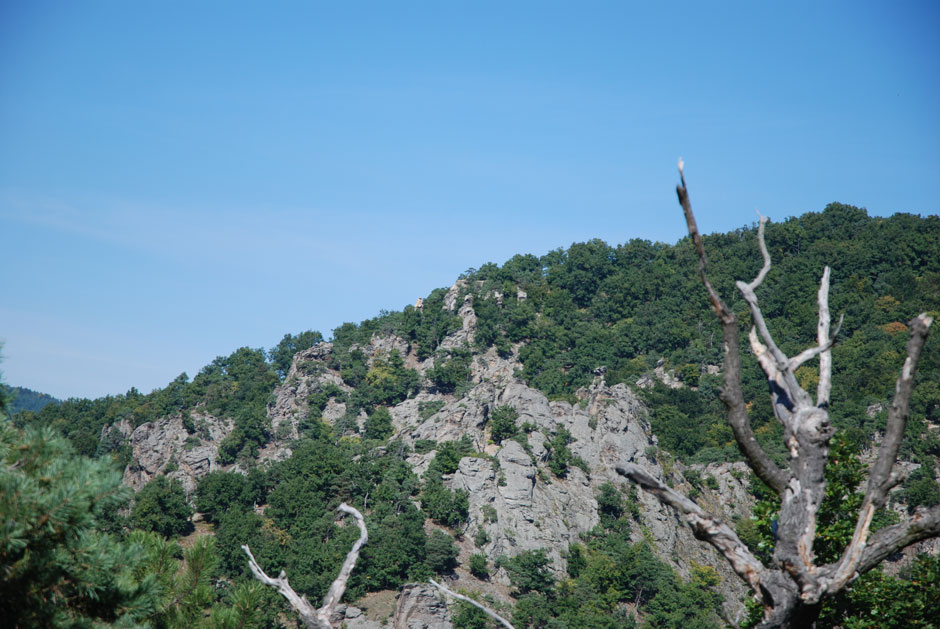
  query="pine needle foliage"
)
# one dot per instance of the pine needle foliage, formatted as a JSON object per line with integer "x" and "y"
{"x": 56, "y": 568}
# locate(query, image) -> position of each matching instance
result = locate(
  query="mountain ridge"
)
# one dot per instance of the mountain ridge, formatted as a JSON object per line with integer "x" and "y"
{"x": 504, "y": 400}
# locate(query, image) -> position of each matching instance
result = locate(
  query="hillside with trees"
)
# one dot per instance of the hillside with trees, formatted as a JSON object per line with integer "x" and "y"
{"x": 23, "y": 399}
{"x": 474, "y": 431}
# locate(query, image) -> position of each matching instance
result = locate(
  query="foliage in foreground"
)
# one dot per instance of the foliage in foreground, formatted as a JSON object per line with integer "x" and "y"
{"x": 57, "y": 568}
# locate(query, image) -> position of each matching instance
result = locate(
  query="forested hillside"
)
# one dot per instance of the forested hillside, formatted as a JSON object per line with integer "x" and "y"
{"x": 23, "y": 399}
{"x": 477, "y": 429}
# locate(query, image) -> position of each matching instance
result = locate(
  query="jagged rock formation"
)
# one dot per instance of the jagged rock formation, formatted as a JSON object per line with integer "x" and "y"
{"x": 155, "y": 445}
{"x": 513, "y": 496}
{"x": 420, "y": 606}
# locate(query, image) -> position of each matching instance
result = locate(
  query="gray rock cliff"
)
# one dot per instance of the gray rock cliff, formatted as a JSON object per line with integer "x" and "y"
{"x": 513, "y": 495}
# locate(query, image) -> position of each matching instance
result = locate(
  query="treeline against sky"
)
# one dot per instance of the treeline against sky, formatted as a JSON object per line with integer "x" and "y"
{"x": 627, "y": 308}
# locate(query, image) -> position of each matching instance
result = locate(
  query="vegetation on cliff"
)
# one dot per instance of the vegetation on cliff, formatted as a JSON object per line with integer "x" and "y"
{"x": 628, "y": 309}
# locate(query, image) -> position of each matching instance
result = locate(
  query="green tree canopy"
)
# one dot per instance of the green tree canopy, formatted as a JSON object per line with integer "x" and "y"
{"x": 282, "y": 354}
{"x": 161, "y": 507}
{"x": 58, "y": 569}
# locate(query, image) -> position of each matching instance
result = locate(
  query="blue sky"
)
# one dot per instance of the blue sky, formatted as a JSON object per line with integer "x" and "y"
{"x": 179, "y": 179}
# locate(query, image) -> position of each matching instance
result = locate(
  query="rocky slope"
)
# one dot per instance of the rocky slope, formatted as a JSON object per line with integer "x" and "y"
{"x": 513, "y": 496}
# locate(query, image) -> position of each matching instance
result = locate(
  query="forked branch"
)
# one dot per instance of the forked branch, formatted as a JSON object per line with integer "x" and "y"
{"x": 792, "y": 588}
{"x": 747, "y": 290}
{"x": 824, "y": 343}
{"x": 781, "y": 370}
{"x": 924, "y": 525}
{"x": 881, "y": 479}
{"x": 316, "y": 618}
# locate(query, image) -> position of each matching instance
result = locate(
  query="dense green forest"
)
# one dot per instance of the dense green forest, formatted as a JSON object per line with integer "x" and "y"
{"x": 23, "y": 399}
{"x": 627, "y": 308}
{"x": 624, "y": 308}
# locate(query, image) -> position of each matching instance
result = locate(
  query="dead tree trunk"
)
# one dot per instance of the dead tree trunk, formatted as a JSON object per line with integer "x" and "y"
{"x": 320, "y": 618}
{"x": 316, "y": 618}
{"x": 793, "y": 586}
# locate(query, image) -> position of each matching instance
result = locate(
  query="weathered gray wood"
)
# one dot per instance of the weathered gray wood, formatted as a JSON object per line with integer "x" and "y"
{"x": 316, "y": 618}
{"x": 731, "y": 394}
{"x": 881, "y": 479}
{"x": 793, "y": 586}
{"x": 705, "y": 526}
{"x": 460, "y": 597}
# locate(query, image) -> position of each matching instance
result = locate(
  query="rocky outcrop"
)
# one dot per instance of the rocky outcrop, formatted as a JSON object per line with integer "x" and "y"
{"x": 308, "y": 373}
{"x": 522, "y": 506}
{"x": 381, "y": 345}
{"x": 353, "y": 618}
{"x": 453, "y": 293}
{"x": 421, "y": 606}
{"x": 466, "y": 334}
{"x": 513, "y": 496}
{"x": 166, "y": 443}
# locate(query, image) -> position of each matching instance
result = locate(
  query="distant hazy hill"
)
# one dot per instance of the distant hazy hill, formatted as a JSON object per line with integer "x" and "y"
{"x": 24, "y": 399}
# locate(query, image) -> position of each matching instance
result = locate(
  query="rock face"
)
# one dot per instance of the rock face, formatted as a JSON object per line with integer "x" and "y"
{"x": 522, "y": 506}
{"x": 513, "y": 496}
{"x": 155, "y": 445}
{"x": 308, "y": 372}
{"x": 533, "y": 509}
{"x": 421, "y": 606}
{"x": 465, "y": 335}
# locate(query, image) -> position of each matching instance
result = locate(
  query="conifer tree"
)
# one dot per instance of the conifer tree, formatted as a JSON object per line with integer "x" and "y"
{"x": 56, "y": 568}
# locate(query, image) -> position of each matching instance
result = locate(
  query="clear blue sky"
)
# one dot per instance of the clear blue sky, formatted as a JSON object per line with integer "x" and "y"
{"x": 179, "y": 179}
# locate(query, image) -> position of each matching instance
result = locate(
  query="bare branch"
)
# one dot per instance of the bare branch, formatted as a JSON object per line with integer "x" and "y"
{"x": 881, "y": 479}
{"x": 339, "y": 585}
{"x": 824, "y": 387}
{"x": 751, "y": 298}
{"x": 300, "y": 603}
{"x": 721, "y": 309}
{"x": 704, "y": 525}
{"x": 486, "y": 610}
{"x": 789, "y": 392}
{"x": 762, "y": 220}
{"x": 319, "y": 618}
{"x": 901, "y": 404}
{"x": 782, "y": 400}
{"x": 763, "y": 357}
{"x": 812, "y": 352}
{"x": 731, "y": 393}
{"x": 792, "y": 589}
{"x": 825, "y": 342}
{"x": 925, "y": 524}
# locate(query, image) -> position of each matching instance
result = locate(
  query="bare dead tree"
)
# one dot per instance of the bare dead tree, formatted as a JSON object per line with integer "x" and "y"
{"x": 793, "y": 586}
{"x": 460, "y": 597}
{"x": 316, "y": 618}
